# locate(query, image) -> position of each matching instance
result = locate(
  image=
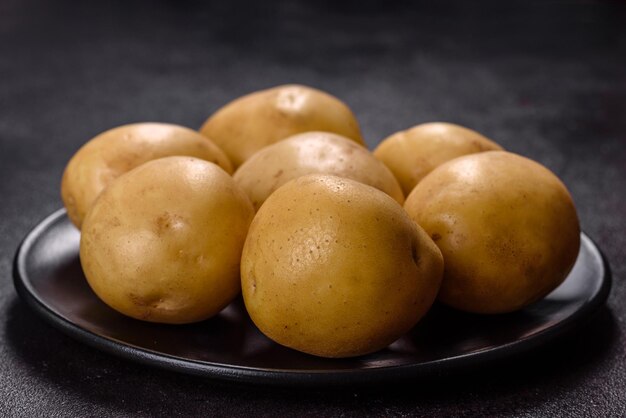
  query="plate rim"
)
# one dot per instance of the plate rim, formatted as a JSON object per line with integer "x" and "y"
{"x": 301, "y": 377}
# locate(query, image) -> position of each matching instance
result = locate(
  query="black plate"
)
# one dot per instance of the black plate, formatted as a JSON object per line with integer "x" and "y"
{"x": 49, "y": 278}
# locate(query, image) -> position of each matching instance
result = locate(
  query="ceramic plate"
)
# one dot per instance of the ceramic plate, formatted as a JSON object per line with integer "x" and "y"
{"x": 48, "y": 277}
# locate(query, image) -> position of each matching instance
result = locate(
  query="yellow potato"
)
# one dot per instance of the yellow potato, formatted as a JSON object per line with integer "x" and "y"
{"x": 249, "y": 123}
{"x": 311, "y": 153}
{"x": 116, "y": 151}
{"x": 506, "y": 225}
{"x": 335, "y": 268}
{"x": 413, "y": 153}
{"x": 163, "y": 242}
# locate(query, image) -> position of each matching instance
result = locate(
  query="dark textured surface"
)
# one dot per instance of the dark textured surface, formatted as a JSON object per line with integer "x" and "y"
{"x": 544, "y": 79}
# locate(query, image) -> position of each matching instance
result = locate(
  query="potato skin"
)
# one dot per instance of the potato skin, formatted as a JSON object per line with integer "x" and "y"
{"x": 507, "y": 228}
{"x": 311, "y": 153}
{"x": 251, "y": 122}
{"x": 118, "y": 150}
{"x": 163, "y": 242}
{"x": 336, "y": 268}
{"x": 415, "y": 152}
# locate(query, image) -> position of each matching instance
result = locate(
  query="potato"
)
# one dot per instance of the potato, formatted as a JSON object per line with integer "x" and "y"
{"x": 506, "y": 225}
{"x": 163, "y": 242}
{"x": 116, "y": 151}
{"x": 413, "y": 153}
{"x": 335, "y": 268}
{"x": 310, "y": 153}
{"x": 249, "y": 123}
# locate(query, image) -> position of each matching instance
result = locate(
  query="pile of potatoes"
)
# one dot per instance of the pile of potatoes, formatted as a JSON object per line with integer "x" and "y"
{"x": 336, "y": 250}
